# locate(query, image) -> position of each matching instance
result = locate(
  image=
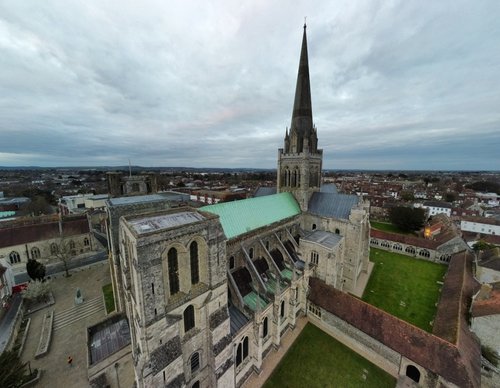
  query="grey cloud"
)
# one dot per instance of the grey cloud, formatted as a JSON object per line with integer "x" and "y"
{"x": 170, "y": 84}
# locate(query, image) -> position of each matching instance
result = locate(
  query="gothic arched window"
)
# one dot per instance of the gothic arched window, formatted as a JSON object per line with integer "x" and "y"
{"x": 173, "y": 271}
{"x": 245, "y": 347}
{"x": 14, "y": 257}
{"x": 86, "y": 242}
{"x": 35, "y": 253}
{"x": 314, "y": 257}
{"x": 239, "y": 354}
{"x": 189, "y": 322}
{"x": 54, "y": 249}
{"x": 231, "y": 262}
{"x": 242, "y": 351}
{"x": 195, "y": 362}
{"x": 410, "y": 250}
{"x": 264, "y": 328}
{"x": 193, "y": 253}
{"x": 424, "y": 253}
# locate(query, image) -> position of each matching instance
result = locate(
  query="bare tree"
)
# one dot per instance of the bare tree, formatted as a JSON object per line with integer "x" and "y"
{"x": 37, "y": 290}
{"x": 64, "y": 252}
{"x": 37, "y": 206}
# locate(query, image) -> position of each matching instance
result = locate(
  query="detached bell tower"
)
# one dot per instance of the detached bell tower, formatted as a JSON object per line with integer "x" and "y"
{"x": 300, "y": 161}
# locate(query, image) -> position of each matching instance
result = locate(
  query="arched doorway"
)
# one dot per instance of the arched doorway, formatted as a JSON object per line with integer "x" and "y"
{"x": 413, "y": 373}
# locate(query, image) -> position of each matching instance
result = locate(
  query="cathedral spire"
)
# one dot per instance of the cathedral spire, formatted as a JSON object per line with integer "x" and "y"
{"x": 302, "y": 107}
{"x": 300, "y": 160}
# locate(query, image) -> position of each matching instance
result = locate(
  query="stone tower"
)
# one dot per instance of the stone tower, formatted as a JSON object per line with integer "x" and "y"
{"x": 300, "y": 161}
{"x": 174, "y": 281}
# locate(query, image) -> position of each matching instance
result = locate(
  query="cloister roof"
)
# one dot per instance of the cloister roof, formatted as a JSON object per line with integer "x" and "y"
{"x": 405, "y": 239}
{"x": 458, "y": 363}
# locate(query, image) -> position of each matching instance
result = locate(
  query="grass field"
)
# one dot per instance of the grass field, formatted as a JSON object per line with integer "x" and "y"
{"x": 318, "y": 360}
{"x": 387, "y": 227}
{"x": 109, "y": 299}
{"x": 404, "y": 287}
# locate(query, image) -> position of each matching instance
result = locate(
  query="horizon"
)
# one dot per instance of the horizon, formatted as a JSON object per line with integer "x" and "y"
{"x": 392, "y": 84}
{"x": 176, "y": 168}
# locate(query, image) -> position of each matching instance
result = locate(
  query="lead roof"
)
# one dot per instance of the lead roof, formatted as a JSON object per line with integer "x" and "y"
{"x": 332, "y": 205}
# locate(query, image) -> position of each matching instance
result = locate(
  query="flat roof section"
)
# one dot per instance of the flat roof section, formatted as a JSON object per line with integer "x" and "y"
{"x": 166, "y": 221}
{"x": 137, "y": 199}
{"x": 323, "y": 238}
{"x": 237, "y": 319}
{"x": 107, "y": 338}
{"x": 332, "y": 205}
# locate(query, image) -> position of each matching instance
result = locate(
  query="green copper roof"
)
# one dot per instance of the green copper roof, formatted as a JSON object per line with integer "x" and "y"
{"x": 271, "y": 285}
{"x": 287, "y": 273}
{"x": 243, "y": 216}
{"x": 251, "y": 301}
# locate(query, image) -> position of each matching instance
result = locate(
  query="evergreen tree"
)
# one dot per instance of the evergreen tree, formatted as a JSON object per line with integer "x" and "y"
{"x": 12, "y": 370}
{"x": 35, "y": 269}
{"x": 406, "y": 218}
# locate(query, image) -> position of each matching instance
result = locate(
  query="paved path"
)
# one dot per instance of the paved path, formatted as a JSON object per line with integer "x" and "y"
{"x": 69, "y": 335}
{"x": 274, "y": 356}
{"x": 363, "y": 280}
{"x": 8, "y": 321}
{"x": 77, "y": 313}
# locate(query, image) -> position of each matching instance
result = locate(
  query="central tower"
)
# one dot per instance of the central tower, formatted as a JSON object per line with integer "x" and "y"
{"x": 300, "y": 161}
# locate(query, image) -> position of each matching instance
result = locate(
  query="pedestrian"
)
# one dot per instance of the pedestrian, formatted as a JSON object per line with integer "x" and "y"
{"x": 70, "y": 360}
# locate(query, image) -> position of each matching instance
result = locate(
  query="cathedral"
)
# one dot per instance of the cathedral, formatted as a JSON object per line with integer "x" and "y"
{"x": 208, "y": 292}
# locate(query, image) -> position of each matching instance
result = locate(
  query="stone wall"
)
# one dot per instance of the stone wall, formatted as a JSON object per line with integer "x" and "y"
{"x": 330, "y": 261}
{"x": 164, "y": 351}
{"x": 427, "y": 254}
{"x": 374, "y": 351}
{"x": 112, "y": 230}
{"x": 82, "y": 243}
{"x": 356, "y": 241}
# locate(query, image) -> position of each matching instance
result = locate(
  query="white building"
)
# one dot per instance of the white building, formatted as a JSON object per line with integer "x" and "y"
{"x": 480, "y": 225}
{"x": 72, "y": 204}
{"x": 6, "y": 281}
{"x": 435, "y": 207}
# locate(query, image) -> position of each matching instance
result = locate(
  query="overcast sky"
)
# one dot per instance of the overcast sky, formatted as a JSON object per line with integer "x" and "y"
{"x": 395, "y": 84}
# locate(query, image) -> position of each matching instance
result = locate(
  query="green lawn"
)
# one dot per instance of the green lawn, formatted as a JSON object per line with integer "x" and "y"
{"x": 387, "y": 227}
{"x": 405, "y": 287}
{"x": 109, "y": 299}
{"x": 317, "y": 360}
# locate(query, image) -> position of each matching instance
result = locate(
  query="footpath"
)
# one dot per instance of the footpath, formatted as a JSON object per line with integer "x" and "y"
{"x": 8, "y": 321}
{"x": 274, "y": 357}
